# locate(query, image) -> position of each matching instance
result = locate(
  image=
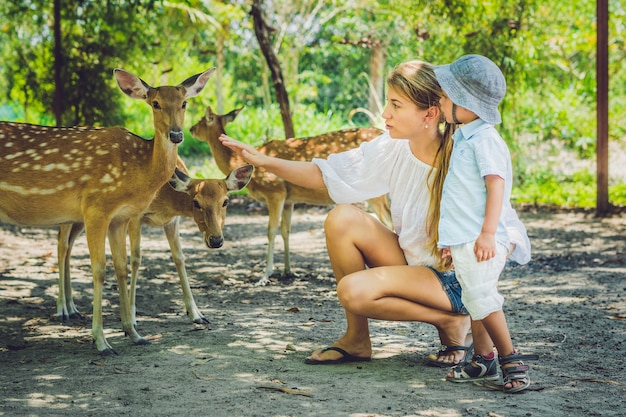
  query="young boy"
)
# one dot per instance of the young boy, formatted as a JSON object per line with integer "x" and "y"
{"x": 472, "y": 230}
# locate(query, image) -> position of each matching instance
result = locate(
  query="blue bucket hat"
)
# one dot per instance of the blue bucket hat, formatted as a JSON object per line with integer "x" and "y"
{"x": 476, "y": 83}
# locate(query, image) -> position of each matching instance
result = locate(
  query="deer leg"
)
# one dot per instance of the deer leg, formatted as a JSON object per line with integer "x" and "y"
{"x": 285, "y": 231}
{"x": 173, "y": 238}
{"x": 76, "y": 230}
{"x": 63, "y": 313}
{"x": 96, "y": 239}
{"x": 134, "y": 236}
{"x": 275, "y": 210}
{"x": 380, "y": 206}
{"x": 117, "y": 243}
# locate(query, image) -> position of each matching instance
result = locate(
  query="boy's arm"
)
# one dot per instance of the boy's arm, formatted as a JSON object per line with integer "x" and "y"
{"x": 485, "y": 246}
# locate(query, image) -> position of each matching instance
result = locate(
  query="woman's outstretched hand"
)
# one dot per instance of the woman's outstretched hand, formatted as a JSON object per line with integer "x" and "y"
{"x": 247, "y": 152}
{"x": 303, "y": 173}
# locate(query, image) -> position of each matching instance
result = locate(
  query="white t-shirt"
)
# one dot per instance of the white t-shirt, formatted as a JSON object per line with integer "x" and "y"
{"x": 386, "y": 166}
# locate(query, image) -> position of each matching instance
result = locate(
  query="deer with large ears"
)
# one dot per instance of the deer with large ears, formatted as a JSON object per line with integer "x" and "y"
{"x": 204, "y": 200}
{"x": 279, "y": 195}
{"x": 101, "y": 177}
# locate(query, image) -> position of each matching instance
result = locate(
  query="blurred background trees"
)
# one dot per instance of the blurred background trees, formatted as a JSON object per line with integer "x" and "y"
{"x": 334, "y": 55}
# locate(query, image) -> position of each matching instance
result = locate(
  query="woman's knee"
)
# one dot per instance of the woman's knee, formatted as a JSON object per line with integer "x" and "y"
{"x": 351, "y": 293}
{"x": 341, "y": 218}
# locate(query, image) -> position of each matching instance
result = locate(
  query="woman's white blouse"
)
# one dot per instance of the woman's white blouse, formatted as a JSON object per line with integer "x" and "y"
{"x": 382, "y": 166}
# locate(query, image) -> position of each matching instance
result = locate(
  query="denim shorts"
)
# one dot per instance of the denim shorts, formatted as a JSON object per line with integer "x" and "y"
{"x": 451, "y": 286}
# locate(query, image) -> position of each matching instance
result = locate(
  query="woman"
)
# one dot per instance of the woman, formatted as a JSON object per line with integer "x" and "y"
{"x": 382, "y": 274}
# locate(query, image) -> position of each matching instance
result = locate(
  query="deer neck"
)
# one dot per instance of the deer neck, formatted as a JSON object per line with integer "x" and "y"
{"x": 174, "y": 202}
{"x": 167, "y": 204}
{"x": 224, "y": 157}
{"x": 164, "y": 155}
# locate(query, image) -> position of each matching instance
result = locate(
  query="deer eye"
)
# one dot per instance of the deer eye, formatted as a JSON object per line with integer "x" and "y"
{"x": 156, "y": 105}
{"x": 184, "y": 105}
{"x": 196, "y": 204}
{"x": 225, "y": 203}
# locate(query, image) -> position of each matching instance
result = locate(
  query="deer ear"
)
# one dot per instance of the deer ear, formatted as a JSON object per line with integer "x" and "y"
{"x": 179, "y": 181}
{"x": 231, "y": 116}
{"x": 131, "y": 85}
{"x": 194, "y": 84}
{"x": 239, "y": 178}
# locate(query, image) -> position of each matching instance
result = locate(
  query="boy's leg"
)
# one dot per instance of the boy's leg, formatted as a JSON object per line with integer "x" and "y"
{"x": 498, "y": 331}
{"x": 514, "y": 370}
{"x": 483, "y": 345}
{"x": 479, "y": 281}
{"x": 483, "y": 365}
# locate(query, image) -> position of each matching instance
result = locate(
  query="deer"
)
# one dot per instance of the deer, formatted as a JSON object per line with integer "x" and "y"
{"x": 204, "y": 200}
{"x": 98, "y": 176}
{"x": 279, "y": 195}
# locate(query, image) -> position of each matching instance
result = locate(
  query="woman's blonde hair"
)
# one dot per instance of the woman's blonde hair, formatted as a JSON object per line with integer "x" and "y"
{"x": 417, "y": 81}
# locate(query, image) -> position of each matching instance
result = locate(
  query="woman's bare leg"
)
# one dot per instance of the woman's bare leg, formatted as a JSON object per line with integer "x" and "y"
{"x": 355, "y": 240}
{"x": 405, "y": 293}
{"x": 389, "y": 290}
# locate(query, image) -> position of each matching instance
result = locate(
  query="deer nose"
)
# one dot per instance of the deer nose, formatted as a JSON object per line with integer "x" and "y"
{"x": 176, "y": 136}
{"x": 216, "y": 242}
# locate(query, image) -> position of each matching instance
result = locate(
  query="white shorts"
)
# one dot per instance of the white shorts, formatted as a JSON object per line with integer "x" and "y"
{"x": 479, "y": 280}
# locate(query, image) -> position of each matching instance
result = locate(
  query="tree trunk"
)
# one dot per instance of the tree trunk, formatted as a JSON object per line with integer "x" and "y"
{"x": 219, "y": 73}
{"x": 602, "y": 108}
{"x": 58, "y": 65}
{"x": 377, "y": 67}
{"x": 262, "y": 33}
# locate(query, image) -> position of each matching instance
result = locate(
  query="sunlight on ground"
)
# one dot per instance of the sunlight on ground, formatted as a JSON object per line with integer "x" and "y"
{"x": 40, "y": 400}
{"x": 48, "y": 401}
{"x": 16, "y": 289}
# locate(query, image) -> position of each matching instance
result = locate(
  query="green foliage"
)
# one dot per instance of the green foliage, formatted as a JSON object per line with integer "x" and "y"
{"x": 95, "y": 37}
{"x": 203, "y": 167}
{"x": 617, "y": 194}
{"x": 575, "y": 190}
{"x": 556, "y": 114}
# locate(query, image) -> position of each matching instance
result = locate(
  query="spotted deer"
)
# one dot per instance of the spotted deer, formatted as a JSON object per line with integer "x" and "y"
{"x": 279, "y": 195}
{"x": 101, "y": 177}
{"x": 204, "y": 200}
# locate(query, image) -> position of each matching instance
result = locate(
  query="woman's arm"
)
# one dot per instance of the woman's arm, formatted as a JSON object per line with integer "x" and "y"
{"x": 303, "y": 173}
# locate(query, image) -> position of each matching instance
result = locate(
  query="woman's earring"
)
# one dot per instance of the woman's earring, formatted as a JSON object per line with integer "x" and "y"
{"x": 425, "y": 126}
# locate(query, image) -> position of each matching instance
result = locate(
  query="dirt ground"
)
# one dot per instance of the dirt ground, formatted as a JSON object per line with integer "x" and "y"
{"x": 568, "y": 306}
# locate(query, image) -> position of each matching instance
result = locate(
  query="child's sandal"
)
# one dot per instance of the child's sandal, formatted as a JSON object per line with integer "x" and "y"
{"x": 510, "y": 374}
{"x": 479, "y": 369}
